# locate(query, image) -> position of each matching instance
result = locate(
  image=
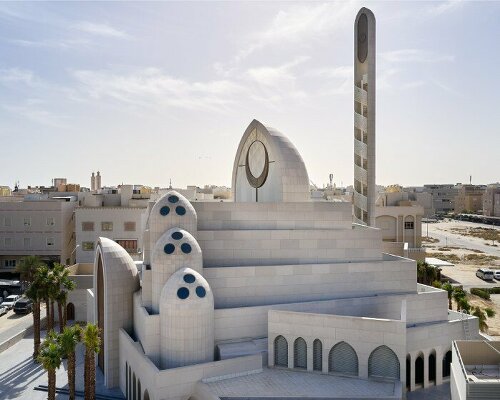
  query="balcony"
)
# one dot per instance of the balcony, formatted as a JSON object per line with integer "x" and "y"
{"x": 360, "y": 122}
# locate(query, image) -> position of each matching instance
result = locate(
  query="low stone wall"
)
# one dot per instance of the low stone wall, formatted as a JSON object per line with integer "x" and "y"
{"x": 20, "y": 335}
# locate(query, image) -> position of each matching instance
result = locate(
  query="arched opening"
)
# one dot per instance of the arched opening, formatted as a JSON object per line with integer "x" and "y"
{"x": 139, "y": 391}
{"x": 446, "y": 364}
{"x": 129, "y": 383}
{"x": 432, "y": 367}
{"x": 134, "y": 387}
{"x": 146, "y": 395}
{"x": 419, "y": 370}
{"x": 300, "y": 353}
{"x": 384, "y": 363}
{"x": 70, "y": 312}
{"x": 317, "y": 355}
{"x": 127, "y": 394}
{"x": 100, "y": 310}
{"x": 408, "y": 372}
{"x": 343, "y": 359}
{"x": 280, "y": 352}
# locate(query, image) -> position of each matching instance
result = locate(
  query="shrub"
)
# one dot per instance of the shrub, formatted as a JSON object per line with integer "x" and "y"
{"x": 481, "y": 293}
{"x": 493, "y": 290}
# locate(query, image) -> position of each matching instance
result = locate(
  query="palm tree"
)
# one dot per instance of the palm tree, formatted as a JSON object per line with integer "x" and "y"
{"x": 68, "y": 340}
{"x": 50, "y": 358}
{"x": 464, "y": 305}
{"x": 92, "y": 341}
{"x": 28, "y": 267}
{"x": 449, "y": 288}
{"x": 62, "y": 285}
{"x": 458, "y": 294}
{"x": 481, "y": 316}
{"x": 34, "y": 294}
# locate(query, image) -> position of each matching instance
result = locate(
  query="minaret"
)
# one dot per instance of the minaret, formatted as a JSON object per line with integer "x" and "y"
{"x": 364, "y": 118}
{"x": 92, "y": 182}
{"x": 98, "y": 181}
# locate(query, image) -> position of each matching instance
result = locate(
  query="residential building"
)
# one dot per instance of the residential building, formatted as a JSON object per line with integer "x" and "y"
{"x": 5, "y": 191}
{"x": 469, "y": 199}
{"x": 491, "y": 200}
{"x": 443, "y": 197}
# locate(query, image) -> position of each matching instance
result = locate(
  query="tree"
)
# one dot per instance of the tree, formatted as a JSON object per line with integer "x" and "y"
{"x": 50, "y": 358}
{"x": 464, "y": 305}
{"x": 426, "y": 274}
{"x": 62, "y": 285}
{"x": 449, "y": 288}
{"x": 458, "y": 294}
{"x": 34, "y": 294}
{"x": 92, "y": 341}
{"x": 28, "y": 267}
{"x": 68, "y": 340}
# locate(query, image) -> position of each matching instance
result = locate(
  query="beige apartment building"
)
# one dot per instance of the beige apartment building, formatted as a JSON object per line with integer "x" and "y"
{"x": 491, "y": 200}
{"x": 469, "y": 198}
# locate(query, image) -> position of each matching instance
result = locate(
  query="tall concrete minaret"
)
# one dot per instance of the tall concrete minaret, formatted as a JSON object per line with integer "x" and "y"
{"x": 364, "y": 118}
{"x": 92, "y": 182}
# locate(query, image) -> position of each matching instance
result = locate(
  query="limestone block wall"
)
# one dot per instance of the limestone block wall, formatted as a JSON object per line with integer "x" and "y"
{"x": 147, "y": 286}
{"x": 305, "y": 215}
{"x": 364, "y": 335}
{"x": 147, "y": 330}
{"x": 287, "y": 246}
{"x": 277, "y": 284}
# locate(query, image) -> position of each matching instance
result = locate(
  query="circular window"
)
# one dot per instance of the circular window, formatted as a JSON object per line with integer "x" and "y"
{"x": 164, "y": 210}
{"x": 180, "y": 210}
{"x": 177, "y": 235}
{"x": 169, "y": 248}
{"x": 186, "y": 248}
{"x": 189, "y": 278}
{"x": 173, "y": 199}
{"x": 200, "y": 291}
{"x": 183, "y": 293}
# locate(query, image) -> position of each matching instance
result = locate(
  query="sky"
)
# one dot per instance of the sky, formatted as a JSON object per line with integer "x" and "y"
{"x": 148, "y": 92}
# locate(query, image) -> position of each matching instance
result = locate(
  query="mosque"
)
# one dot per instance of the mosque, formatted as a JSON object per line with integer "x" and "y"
{"x": 273, "y": 294}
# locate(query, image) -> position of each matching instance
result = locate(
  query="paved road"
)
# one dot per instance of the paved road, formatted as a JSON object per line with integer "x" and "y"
{"x": 21, "y": 322}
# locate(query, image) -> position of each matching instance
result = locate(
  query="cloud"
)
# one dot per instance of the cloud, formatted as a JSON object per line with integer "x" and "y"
{"x": 16, "y": 75}
{"x": 415, "y": 56}
{"x": 32, "y": 111}
{"x": 343, "y": 72}
{"x": 58, "y": 43}
{"x": 275, "y": 76}
{"x": 100, "y": 30}
{"x": 444, "y": 7}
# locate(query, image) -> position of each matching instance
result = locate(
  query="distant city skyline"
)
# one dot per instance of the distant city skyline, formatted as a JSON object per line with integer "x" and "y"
{"x": 123, "y": 88}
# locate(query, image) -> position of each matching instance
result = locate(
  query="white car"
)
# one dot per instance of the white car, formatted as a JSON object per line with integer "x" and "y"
{"x": 496, "y": 274}
{"x": 3, "y": 310}
{"x": 10, "y": 301}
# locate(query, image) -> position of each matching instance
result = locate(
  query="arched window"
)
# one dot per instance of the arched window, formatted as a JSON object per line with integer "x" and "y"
{"x": 383, "y": 362}
{"x": 343, "y": 359}
{"x": 70, "y": 312}
{"x": 300, "y": 353}
{"x": 139, "y": 389}
{"x": 146, "y": 395}
{"x": 134, "y": 387}
{"x": 446, "y": 364}
{"x": 432, "y": 366}
{"x": 317, "y": 355}
{"x": 419, "y": 370}
{"x": 408, "y": 372}
{"x": 127, "y": 395}
{"x": 280, "y": 352}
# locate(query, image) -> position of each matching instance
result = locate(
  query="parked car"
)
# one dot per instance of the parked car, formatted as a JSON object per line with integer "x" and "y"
{"x": 10, "y": 301}
{"x": 496, "y": 274}
{"x": 485, "y": 274}
{"x": 23, "y": 306}
{"x": 3, "y": 310}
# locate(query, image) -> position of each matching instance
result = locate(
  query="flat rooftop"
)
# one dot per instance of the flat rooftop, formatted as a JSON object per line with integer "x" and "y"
{"x": 281, "y": 383}
{"x": 480, "y": 360}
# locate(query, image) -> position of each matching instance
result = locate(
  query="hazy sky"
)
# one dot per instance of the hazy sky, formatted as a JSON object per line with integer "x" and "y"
{"x": 147, "y": 92}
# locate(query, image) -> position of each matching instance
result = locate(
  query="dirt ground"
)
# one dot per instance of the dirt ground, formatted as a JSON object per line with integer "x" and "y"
{"x": 469, "y": 247}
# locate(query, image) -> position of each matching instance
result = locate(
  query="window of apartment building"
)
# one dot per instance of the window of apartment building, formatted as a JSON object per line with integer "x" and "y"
{"x": 50, "y": 241}
{"x": 128, "y": 244}
{"x": 7, "y": 242}
{"x": 9, "y": 263}
{"x": 129, "y": 226}
{"x": 88, "y": 246}
{"x": 106, "y": 226}
{"x": 88, "y": 226}
{"x": 27, "y": 242}
{"x": 409, "y": 225}
{"x": 27, "y": 221}
{"x": 7, "y": 221}
{"x": 50, "y": 221}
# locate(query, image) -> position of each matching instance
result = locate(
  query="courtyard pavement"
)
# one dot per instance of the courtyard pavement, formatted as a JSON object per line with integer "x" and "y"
{"x": 19, "y": 374}
{"x": 441, "y": 392}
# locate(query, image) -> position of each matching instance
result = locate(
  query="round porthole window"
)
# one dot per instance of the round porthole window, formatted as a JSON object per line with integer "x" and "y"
{"x": 164, "y": 210}
{"x": 189, "y": 278}
{"x": 180, "y": 210}
{"x": 169, "y": 248}
{"x": 183, "y": 293}
{"x": 173, "y": 199}
{"x": 177, "y": 235}
{"x": 186, "y": 248}
{"x": 200, "y": 291}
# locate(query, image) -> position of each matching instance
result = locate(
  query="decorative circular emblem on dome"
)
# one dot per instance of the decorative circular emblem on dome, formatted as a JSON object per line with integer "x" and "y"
{"x": 189, "y": 278}
{"x": 173, "y": 199}
{"x": 183, "y": 293}
{"x": 177, "y": 235}
{"x": 169, "y": 248}
{"x": 180, "y": 210}
{"x": 186, "y": 248}
{"x": 257, "y": 164}
{"x": 164, "y": 210}
{"x": 200, "y": 291}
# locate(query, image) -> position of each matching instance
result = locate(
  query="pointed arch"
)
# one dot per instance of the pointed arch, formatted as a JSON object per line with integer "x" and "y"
{"x": 343, "y": 359}
{"x": 383, "y": 362}
{"x": 317, "y": 355}
{"x": 280, "y": 351}
{"x": 300, "y": 353}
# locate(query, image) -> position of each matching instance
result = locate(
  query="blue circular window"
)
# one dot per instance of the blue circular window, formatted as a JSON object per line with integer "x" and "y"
{"x": 177, "y": 235}
{"x": 186, "y": 248}
{"x": 173, "y": 199}
{"x": 180, "y": 210}
{"x": 200, "y": 291}
{"x": 164, "y": 210}
{"x": 183, "y": 293}
{"x": 169, "y": 248}
{"x": 189, "y": 278}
